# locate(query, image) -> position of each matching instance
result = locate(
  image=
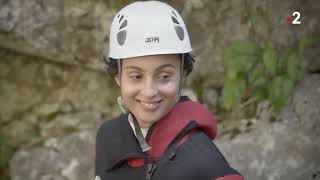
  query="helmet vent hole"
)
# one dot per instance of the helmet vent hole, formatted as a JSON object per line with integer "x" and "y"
{"x": 120, "y": 18}
{"x": 123, "y": 24}
{"x": 174, "y": 13}
{"x": 175, "y": 20}
{"x": 121, "y": 37}
{"x": 180, "y": 32}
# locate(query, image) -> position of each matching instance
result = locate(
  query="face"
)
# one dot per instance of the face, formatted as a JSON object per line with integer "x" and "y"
{"x": 149, "y": 86}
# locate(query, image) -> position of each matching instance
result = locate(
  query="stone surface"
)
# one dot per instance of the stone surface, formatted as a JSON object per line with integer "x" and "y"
{"x": 69, "y": 157}
{"x": 39, "y": 159}
{"x": 285, "y": 149}
{"x": 30, "y": 85}
{"x": 72, "y": 32}
{"x": 306, "y": 102}
{"x": 312, "y": 60}
{"x": 74, "y": 122}
{"x": 36, "y": 92}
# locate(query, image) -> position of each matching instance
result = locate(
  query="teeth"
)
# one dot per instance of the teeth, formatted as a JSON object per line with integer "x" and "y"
{"x": 149, "y": 105}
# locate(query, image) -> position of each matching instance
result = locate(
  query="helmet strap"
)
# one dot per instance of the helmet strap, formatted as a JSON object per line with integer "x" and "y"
{"x": 119, "y": 61}
{"x": 142, "y": 141}
{"x": 181, "y": 77}
{"x": 120, "y": 100}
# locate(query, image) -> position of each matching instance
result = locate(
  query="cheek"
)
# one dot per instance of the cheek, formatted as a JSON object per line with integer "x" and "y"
{"x": 171, "y": 89}
{"x": 128, "y": 90}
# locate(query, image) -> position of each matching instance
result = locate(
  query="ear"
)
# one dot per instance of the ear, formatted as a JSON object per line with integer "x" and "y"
{"x": 117, "y": 79}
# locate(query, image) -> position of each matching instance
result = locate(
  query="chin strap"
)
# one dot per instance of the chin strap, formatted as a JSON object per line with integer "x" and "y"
{"x": 181, "y": 76}
{"x": 142, "y": 142}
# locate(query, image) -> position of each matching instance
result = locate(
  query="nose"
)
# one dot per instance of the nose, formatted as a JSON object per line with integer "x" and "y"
{"x": 150, "y": 89}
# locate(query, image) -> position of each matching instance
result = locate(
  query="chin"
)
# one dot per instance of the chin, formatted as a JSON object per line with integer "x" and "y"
{"x": 149, "y": 116}
{"x": 148, "y": 120}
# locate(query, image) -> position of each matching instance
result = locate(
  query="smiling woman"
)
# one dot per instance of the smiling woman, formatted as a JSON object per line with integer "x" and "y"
{"x": 150, "y": 86}
{"x": 160, "y": 135}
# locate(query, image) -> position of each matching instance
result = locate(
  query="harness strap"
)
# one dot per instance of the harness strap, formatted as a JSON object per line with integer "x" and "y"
{"x": 142, "y": 142}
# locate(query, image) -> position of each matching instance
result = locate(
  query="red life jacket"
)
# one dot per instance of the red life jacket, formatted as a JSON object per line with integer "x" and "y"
{"x": 168, "y": 128}
{"x": 187, "y": 130}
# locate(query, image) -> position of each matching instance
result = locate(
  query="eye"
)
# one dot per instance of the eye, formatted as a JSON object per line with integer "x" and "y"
{"x": 164, "y": 77}
{"x": 135, "y": 77}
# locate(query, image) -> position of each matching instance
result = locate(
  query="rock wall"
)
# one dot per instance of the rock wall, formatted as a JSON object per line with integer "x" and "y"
{"x": 285, "y": 148}
{"x": 54, "y": 92}
{"x": 36, "y": 91}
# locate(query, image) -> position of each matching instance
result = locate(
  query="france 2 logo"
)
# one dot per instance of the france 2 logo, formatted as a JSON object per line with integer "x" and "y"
{"x": 296, "y": 19}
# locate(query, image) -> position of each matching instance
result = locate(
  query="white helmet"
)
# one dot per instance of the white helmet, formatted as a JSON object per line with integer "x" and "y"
{"x": 148, "y": 28}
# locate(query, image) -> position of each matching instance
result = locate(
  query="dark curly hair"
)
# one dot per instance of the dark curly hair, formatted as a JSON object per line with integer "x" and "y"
{"x": 112, "y": 64}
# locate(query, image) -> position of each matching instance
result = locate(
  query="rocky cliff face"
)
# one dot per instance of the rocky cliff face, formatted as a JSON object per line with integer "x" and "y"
{"x": 54, "y": 91}
{"x": 287, "y": 148}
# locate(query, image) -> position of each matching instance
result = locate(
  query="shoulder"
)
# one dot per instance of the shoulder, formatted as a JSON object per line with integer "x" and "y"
{"x": 201, "y": 141}
{"x": 113, "y": 126}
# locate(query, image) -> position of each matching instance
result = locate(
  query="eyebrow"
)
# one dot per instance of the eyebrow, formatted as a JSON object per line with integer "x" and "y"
{"x": 157, "y": 69}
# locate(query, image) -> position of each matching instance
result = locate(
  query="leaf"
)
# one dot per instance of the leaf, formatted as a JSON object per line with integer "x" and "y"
{"x": 4, "y": 152}
{"x": 232, "y": 91}
{"x": 283, "y": 61}
{"x": 293, "y": 66}
{"x": 288, "y": 87}
{"x": 231, "y": 66}
{"x": 280, "y": 89}
{"x": 239, "y": 57}
{"x": 244, "y": 47}
{"x": 274, "y": 90}
{"x": 306, "y": 41}
{"x": 260, "y": 94}
{"x": 232, "y": 73}
{"x": 257, "y": 77}
{"x": 270, "y": 59}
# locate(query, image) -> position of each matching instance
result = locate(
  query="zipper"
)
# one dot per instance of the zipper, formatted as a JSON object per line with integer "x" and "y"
{"x": 150, "y": 170}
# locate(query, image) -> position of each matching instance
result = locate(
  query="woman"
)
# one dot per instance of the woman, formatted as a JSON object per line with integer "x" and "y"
{"x": 160, "y": 135}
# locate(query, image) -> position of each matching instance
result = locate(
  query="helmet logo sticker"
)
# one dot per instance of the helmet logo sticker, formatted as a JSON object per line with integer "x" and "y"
{"x": 121, "y": 35}
{"x": 177, "y": 27}
{"x": 152, "y": 39}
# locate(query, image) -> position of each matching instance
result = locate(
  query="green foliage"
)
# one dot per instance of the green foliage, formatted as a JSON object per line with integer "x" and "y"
{"x": 233, "y": 88}
{"x": 4, "y": 152}
{"x": 262, "y": 73}
{"x": 269, "y": 57}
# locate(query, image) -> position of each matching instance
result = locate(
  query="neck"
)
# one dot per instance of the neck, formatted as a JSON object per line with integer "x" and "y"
{"x": 144, "y": 125}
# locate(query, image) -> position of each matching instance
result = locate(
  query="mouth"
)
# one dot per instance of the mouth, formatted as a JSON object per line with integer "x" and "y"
{"x": 150, "y": 105}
